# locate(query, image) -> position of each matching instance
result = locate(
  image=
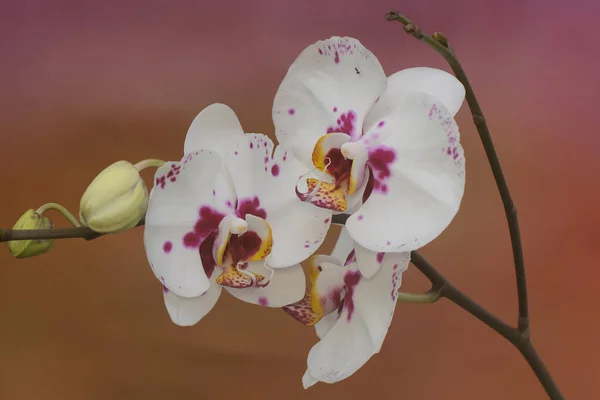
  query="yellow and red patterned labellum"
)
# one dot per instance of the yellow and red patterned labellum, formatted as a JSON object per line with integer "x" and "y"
{"x": 235, "y": 277}
{"x": 328, "y": 195}
{"x": 303, "y": 312}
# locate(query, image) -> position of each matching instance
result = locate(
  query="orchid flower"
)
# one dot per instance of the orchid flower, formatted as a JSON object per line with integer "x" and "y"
{"x": 351, "y": 313}
{"x": 227, "y": 216}
{"x": 385, "y": 150}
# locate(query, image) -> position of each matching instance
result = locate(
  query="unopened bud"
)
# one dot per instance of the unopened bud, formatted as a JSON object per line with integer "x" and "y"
{"x": 31, "y": 248}
{"x": 116, "y": 199}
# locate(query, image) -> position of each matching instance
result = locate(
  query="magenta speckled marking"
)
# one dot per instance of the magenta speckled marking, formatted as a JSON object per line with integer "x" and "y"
{"x": 381, "y": 124}
{"x": 381, "y": 159}
{"x": 207, "y": 223}
{"x": 447, "y": 123}
{"x": 380, "y": 257}
{"x": 360, "y": 217}
{"x": 250, "y": 206}
{"x": 351, "y": 279}
{"x": 291, "y": 111}
{"x": 346, "y": 123}
{"x": 263, "y": 301}
{"x": 167, "y": 247}
{"x": 275, "y": 170}
{"x": 351, "y": 258}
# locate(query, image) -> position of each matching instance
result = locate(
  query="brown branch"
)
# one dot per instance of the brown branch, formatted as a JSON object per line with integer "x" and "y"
{"x": 83, "y": 232}
{"x": 440, "y": 44}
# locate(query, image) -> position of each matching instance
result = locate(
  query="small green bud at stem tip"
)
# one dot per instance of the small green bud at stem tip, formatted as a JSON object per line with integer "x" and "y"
{"x": 30, "y": 248}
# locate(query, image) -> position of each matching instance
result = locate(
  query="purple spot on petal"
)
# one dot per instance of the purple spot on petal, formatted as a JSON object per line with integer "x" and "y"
{"x": 346, "y": 123}
{"x": 263, "y": 301}
{"x": 206, "y": 224}
{"x": 275, "y": 170}
{"x": 337, "y": 58}
{"x": 351, "y": 258}
{"x": 167, "y": 247}
{"x": 360, "y": 217}
{"x": 380, "y": 257}
{"x": 381, "y": 159}
{"x": 334, "y": 109}
{"x": 291, "y": 111}
{"x": 250, "y": 205}
{"x": 380, "y": 124}
{"x": 251, "y": 145}
{"x": 165, "y": 289}
{"x": 351, "y": 279}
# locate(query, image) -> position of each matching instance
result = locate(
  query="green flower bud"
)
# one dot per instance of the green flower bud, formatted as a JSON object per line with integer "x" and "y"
{"x": 116, "y": 199}
{"x": 31, "y": 248}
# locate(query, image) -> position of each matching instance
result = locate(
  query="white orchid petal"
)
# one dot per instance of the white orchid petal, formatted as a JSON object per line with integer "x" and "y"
{"x": 437, "y": 83}
{"x": 329, "y": 88}
{"x": 326, "y": 276}
{"x": 180, "y": 216}
{"x": 266, "y": 186}
{"x": 419, "y": 179}
{"x": 214, "y": 128}
{"x": 325, "y": 324}
{"x": 343, "y": 246}
{"x": 188, "y": 311}
{"x": 363, "y": 323}
{"x": 369, "y": 262}
{"x": 308, "y": 380}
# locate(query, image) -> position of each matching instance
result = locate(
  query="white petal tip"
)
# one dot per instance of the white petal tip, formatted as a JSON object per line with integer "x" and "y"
{"x": 308, "y": 380}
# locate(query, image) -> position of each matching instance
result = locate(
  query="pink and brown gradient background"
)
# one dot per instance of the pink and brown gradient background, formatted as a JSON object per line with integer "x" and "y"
{"x": 84, "y": 84}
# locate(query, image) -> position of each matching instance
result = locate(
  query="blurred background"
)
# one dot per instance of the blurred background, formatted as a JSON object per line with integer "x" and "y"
{"x": 84, "y": 84}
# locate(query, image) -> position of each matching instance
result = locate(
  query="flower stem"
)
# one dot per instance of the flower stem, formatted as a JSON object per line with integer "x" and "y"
{"x": 61, "y": 209}
{"x": 521, "y": 340}
{"x": 83, "y": 232}
{"x": 151, "y": 162}
{"x": 419, "y": 298}
{"x": 439, "y": 43}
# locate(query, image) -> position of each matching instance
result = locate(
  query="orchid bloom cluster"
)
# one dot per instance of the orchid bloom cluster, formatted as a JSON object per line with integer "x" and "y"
{"x": 239, "y": 215}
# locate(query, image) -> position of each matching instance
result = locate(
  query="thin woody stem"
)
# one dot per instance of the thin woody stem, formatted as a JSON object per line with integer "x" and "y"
{"x": 83, "y": 232}
{"x": 440, "y": 44}
{"x": 522, "y": 341}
